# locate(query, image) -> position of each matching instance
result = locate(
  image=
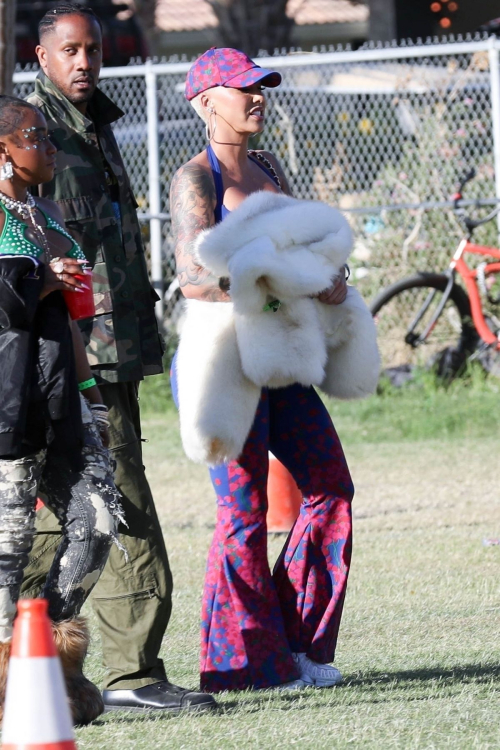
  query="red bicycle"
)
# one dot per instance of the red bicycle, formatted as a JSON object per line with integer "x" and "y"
{"x": 428, "y": 320}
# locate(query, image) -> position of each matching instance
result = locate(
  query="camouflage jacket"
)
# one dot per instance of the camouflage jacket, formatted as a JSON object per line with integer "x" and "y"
{"x": 122, "y": 340}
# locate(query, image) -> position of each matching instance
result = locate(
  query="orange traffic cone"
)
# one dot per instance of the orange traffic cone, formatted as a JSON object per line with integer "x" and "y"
{"x": 284, "y": 497}
{"x": 36, "y": 714}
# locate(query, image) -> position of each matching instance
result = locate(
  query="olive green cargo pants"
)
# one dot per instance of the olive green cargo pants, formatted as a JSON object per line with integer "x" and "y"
{"x": 132, "y": 599}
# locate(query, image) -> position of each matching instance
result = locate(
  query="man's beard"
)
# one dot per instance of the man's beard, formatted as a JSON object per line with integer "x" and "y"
{"x": 78, "y": 98}
{"x": 71, "y": 93}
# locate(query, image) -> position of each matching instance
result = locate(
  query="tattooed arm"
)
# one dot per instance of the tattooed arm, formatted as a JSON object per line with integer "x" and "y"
{"x": 192, "y": 204}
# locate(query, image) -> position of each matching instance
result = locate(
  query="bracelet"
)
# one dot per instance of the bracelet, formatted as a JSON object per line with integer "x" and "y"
{"x": 87, "y": 384}
{"x": 99, "y": 407}
{"x": 100, "y": 416}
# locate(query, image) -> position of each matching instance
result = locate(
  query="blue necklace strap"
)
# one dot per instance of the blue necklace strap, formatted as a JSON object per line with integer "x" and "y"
{"x": 219, "y": 185}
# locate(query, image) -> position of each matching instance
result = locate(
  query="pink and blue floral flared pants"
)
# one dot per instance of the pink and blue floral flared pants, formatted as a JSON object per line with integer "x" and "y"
{"x": 252, "y": 621}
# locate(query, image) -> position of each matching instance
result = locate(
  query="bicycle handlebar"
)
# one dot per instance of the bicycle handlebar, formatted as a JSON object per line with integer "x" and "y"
{"x": 469, "y": 222}
{"x": 473, "y": 223}
{"x": 456, "y": 197}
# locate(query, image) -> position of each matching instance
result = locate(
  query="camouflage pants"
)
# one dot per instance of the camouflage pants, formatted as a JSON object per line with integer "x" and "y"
{"x": 87, "y": 507}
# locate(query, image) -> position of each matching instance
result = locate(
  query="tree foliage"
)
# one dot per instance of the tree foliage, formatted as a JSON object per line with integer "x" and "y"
{"x": 145, "y": 12}
{"x": 253, "y": 25}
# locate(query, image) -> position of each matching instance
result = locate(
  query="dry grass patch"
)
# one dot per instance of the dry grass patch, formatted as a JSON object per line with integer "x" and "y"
{"x": 419, "y": 645}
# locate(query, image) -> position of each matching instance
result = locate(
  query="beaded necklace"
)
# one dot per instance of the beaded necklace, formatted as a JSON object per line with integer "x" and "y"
{"x": 27, "y": 211}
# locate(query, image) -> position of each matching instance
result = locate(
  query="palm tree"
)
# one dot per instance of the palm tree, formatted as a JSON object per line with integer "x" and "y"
{"x": 7, "y": 44}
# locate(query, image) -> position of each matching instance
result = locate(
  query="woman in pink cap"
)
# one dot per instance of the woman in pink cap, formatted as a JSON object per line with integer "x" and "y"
{"x": 261, "y": 630}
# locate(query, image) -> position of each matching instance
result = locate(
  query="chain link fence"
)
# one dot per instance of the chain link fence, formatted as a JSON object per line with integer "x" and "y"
{"x": 383, "y": 133}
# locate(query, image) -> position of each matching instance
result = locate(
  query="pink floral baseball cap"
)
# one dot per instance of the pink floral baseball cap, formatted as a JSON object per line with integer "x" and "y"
{"x": 223, "y": 66}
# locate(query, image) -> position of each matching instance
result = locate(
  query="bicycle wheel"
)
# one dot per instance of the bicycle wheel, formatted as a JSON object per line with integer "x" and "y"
{"x": 402, "y": 313}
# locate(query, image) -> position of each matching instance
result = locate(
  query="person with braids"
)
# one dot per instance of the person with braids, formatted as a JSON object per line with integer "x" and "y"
{"x": 90, "y": 186}
{"x": 51, "y": 438}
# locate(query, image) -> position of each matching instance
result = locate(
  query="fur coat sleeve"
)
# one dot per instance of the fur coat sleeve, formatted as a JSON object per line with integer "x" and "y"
{"x": 272, "y": 247}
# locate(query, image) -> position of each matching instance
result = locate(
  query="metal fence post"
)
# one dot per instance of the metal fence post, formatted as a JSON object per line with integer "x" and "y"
{"x": 389, "y": 130}
{"x": 494, "y": 61}
{"x": 154, "y": 187}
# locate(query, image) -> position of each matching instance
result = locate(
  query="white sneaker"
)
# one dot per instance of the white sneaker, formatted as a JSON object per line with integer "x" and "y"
{"x": 294, "y": 685}
{"x": 319, "y": 675}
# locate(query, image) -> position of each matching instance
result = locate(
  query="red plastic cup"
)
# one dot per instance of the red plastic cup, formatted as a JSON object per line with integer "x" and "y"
{"x": 81, "y": 304}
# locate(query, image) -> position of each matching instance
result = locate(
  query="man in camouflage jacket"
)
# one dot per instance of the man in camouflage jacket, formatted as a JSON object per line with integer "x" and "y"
{"x": 132, "y": 599}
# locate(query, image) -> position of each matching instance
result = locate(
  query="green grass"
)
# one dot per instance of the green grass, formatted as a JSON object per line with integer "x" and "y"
{"x": 421, "y": 410}
{"x": 419, "y": 645}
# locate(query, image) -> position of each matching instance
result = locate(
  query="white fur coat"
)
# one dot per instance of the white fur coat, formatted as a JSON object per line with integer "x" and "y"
{"x": 271, "y": 247}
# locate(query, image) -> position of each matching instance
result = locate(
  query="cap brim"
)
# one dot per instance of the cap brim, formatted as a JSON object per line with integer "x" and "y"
{"x": 269, "y": 78}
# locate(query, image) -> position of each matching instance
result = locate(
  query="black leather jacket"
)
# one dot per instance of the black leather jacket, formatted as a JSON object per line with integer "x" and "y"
{"x": 39, "y": 400}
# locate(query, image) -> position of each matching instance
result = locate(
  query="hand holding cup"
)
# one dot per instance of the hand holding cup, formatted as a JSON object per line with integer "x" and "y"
{"x": 74, "y": 279}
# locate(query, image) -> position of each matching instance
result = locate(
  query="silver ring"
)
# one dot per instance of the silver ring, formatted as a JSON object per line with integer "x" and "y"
{"x": 60, "y": 276}
{"x": 57, "y": 265}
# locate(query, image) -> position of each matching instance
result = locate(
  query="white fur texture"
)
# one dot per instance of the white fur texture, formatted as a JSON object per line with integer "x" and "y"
{"x": 271, "y": 247}
{"x": 287, "y": 222}
{"x": 217, "y": 403}
{"x": 353, "y": 361}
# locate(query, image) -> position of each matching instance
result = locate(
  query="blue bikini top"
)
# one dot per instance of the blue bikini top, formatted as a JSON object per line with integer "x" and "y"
{"x": 220, "y": 210}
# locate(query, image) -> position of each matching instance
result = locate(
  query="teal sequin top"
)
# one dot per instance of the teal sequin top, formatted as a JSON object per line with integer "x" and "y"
{"x": 13, "y": 240}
